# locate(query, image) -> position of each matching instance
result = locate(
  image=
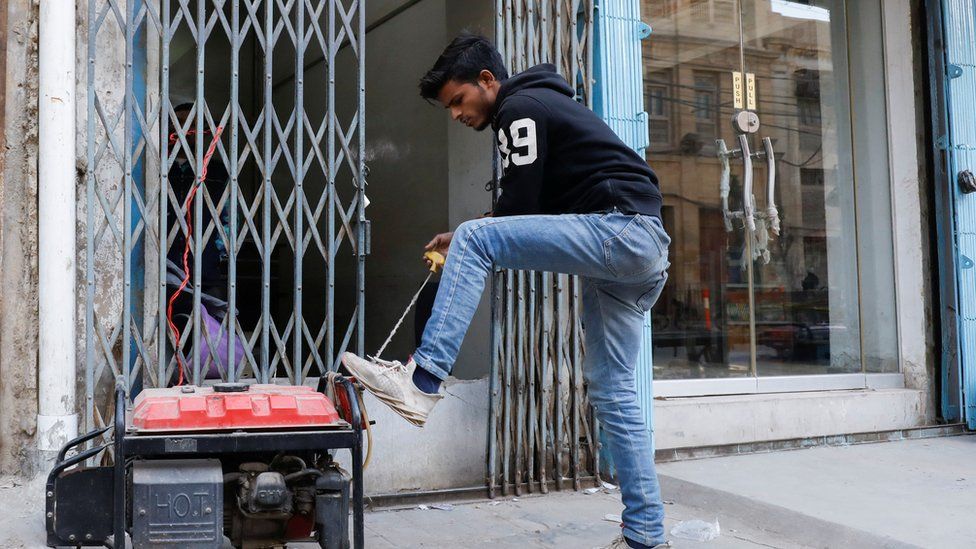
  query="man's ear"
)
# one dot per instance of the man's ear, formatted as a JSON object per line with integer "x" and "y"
{"x": 486, "y": 78}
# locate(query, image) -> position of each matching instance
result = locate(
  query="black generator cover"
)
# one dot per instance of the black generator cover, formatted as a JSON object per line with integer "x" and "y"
{"x": 177, "y": 503}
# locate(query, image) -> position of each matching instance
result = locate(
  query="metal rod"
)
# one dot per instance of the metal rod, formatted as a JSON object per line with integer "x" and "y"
{"x": 268, "y": 115}
{"x": 201, "y": 107}
{"x": 518, "y": 60}
{"x": 533, "y": 396}
{"x": 361, "y": 240}
{"x": 330, "y": 177}
{"x": 558, "y": 371}
{"x": 577, "y": 380}
{"x": 231, "y": 316}
{"x": 90, "y": 227}
{"x": 295, "y": 375}
{"x": 127, "y": 124}
{"x": 521, "y": 345}
{"x": 496, "y": 282}
{"x": 493, "y": 375}
{"x": 507, "y": 363}
{"x": 545, "y": 376}
{"x": 162, "y": 330}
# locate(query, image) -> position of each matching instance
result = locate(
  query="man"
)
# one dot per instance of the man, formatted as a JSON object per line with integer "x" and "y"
{"x": 575, "y": 199}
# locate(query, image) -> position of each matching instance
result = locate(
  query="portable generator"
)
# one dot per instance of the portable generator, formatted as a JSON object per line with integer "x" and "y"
{"x": 254, "y": 463}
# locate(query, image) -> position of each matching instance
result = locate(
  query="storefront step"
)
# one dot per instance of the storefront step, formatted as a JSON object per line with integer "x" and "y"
{"x": 723, "y": 425}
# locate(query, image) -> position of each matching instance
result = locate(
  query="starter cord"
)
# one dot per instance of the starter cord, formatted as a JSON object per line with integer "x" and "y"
{"x": 187, "y": 206}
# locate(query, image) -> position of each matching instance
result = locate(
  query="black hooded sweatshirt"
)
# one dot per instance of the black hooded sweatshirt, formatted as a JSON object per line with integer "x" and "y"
{"x": 559, "y": 157}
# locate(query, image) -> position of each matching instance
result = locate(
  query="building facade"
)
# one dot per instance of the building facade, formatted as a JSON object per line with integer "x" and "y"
{"x": 807, "y": 287}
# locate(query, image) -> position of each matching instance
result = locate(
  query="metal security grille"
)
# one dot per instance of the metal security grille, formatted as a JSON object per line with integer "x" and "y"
{"x": 541, "y": 432}
{"x": 283, "y": 204}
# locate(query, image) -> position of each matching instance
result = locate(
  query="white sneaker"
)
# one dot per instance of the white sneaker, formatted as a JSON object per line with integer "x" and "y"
{"x": 621, "y": 543}
{"x": 392, "y": 383}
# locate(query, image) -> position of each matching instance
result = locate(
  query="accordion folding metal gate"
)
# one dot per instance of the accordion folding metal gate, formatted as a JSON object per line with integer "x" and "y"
{"x": 283, "y": 80}
{"x": 541, "y": 432}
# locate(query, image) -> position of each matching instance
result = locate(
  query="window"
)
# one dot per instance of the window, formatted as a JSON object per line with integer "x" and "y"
{"x": 706, "y": 105}
{"x": 658, "y": 104}
{"x": 809, "y": 111}
{"x": 662, "y": 9}
{"x": 713, "y": 11}
{"x": 812, "y": 177}
{"x": 701, "y": 10}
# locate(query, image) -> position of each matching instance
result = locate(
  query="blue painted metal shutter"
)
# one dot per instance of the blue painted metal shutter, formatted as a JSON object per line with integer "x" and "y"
{"x": 960, "y": 34}
{"x": 618, "y": 97}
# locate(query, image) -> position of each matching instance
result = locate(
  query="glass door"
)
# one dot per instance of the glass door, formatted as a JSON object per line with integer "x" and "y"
{"x": 749, "y": 118}
{"x": 805, "y": 246}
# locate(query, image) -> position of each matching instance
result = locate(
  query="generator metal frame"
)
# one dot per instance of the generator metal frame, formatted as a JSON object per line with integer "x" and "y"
{"x": 127, "y": 446}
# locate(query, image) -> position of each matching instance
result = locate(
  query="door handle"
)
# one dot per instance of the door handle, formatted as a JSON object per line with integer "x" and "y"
{"x": 723, "y": 154}
{"x": 748, "y": 207}
{"x": 772, "y": 214}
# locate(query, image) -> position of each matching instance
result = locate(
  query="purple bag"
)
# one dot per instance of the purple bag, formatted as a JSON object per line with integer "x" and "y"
{"x": 222, "y": 340}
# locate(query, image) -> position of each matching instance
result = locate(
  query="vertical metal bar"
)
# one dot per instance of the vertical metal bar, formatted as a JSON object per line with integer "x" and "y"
{"x": 520, "y": 346}
{"x": 588, "y": 70}
{"x": 361, "y": 194}
{"x": 574, "y": 40}
{"x": 530, "y": 33}
{"x": 127, "y": 123}
{"x": 532, "y": 348}
{"x": 558, "y": 53}
{"x": 558, "y": 370}
{"x": 545, "y": 50}
{"x": 496, "y": 336}
{"x": 507, "y": 387}
{"x": 90, "y": 228}
{"x": 198, "y": 201}
{"x": 597, "y": 445}
{"x": 265, "y": 365}
{"x": 545, "y": 377}
{"x": 162, "y": 333}
{"x": 509, "y": 38}
{"x": 331, "y": 215}
{"x": 493, "y": 377}
{"x": 576, "y": 377}
{"x": 137, "y": 252}
{"x": 299, "y": 240}
{"x": 518, "y": 60}
{"x": 235, "y": 108}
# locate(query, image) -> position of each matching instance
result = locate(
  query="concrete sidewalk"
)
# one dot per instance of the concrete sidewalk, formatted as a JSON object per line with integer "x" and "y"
{"x": 913, "y": 493}
{"x": 909, "y": 493}
{"x": 565, "y": 520}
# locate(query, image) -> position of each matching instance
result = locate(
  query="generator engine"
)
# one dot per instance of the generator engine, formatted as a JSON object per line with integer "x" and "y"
{"x": 267, "y": 504}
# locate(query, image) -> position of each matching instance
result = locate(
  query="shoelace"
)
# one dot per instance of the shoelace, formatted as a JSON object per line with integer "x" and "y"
{"x": 392, "y": 366}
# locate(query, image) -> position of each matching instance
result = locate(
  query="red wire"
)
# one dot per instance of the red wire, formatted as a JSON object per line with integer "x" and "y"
{"x": 186, "y": 250}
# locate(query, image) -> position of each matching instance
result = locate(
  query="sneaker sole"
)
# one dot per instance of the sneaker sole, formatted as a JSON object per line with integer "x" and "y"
{"x": 408, "y": 414}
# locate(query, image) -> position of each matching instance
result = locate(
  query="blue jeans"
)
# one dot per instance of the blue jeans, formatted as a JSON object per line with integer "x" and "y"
{"x": 622, "y": 260}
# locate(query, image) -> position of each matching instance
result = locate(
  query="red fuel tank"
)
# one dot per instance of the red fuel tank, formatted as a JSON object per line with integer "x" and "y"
{"x": 226, "y": 407}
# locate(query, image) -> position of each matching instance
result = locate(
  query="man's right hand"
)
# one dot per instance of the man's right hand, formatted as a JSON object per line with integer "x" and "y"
{"x": 439, "y": 244}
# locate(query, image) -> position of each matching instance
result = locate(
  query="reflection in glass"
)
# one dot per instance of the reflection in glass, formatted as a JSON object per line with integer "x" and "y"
{"x": 805, "y": 280}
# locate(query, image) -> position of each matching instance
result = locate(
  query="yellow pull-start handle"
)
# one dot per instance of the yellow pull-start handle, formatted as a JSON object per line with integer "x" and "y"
{"x": 436, "y": 260}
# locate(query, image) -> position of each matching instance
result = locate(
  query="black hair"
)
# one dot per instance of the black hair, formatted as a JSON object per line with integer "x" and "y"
{"x": 463, "y": 60}
{"x": 183, "y": 107}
